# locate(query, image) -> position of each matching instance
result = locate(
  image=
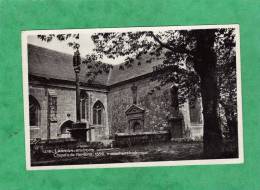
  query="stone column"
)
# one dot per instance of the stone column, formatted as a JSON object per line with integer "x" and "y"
{"x": 77, "y": 98}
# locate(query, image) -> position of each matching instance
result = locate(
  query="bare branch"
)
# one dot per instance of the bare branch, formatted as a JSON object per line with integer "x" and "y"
{"x": 174, "y": 49}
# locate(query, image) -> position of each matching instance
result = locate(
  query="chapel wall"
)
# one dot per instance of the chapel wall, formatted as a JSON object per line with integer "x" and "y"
{"x": 66, "y": 110}
{"x": 155, "y": 101}
{"x": 65, "y": 106}
{"x": 39, "y": 93}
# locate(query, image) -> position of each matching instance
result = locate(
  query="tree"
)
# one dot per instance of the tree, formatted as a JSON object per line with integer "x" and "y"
{"x": 226, "y": 69}
{"x": 190, "y": 60}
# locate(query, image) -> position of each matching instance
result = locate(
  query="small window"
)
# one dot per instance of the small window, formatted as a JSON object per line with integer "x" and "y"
{"x": 34, "y": 109}
{"x": 98, "y": 111}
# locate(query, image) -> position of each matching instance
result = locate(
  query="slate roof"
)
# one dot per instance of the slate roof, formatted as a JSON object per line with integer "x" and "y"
{"x": 117, "y": 75}
{"x": 53, "y": 64}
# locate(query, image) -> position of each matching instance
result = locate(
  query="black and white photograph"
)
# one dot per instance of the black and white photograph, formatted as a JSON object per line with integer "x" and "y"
{"x": 132, "y": 97}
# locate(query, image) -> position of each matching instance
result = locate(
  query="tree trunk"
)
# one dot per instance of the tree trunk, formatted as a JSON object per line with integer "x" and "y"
{"x": 212, "y": 137}
{"x": 205, "y": 65}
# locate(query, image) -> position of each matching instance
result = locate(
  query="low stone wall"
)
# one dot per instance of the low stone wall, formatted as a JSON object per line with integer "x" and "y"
{"x": 128, "y": 140}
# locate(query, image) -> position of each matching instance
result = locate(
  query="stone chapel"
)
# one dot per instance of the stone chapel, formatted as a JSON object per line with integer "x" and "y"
{"x": 120, "y": 101}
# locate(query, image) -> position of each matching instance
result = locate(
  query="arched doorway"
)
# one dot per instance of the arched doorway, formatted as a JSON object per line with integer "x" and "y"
{"x": 64, "y": 129}
{"x": 136, "y": 127}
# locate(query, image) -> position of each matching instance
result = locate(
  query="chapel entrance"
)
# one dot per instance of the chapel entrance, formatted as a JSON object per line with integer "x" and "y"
{"x": 64, "y": 129}
{"x": 135, "y": 118}
{"x": 136, "y": 127}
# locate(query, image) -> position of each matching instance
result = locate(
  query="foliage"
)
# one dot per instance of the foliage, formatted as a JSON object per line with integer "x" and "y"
{"x": 227, "y": 84}
{"x": 226, "y": 68}
{"x": 61, "y": 37}
{"x": 176, "y": 48}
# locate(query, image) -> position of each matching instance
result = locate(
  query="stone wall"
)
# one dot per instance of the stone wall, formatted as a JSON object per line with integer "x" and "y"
{"x": 65, "y": 105}
{"x": 66, "y": 98}
{"x": 155, "y": 101}
{"x": 100, "y": 132}
{"x": 196, "y": 118}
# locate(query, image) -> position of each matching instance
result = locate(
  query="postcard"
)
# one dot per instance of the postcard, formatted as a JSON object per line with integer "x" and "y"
{"x": 132, "y": 97}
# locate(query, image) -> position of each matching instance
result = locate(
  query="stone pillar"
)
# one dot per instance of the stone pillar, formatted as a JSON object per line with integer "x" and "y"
{"x": 79, "y": 130}
{"x": 175, "y": 119}
{"x": 76, "y": 65}
{"x": 77, "y": 98}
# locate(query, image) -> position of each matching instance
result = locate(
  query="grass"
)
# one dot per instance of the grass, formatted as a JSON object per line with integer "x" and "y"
{"x": 167, "y": 151}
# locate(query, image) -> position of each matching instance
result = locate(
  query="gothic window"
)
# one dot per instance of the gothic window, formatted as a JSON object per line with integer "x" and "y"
{"x": 34, "y": 109}
{"x": 84, "y": 105}
{"x": 98, "y": 112}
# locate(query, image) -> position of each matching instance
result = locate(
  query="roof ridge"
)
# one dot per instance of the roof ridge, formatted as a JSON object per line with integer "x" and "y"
{"x": 48, "y": 62}
{"x": 49, "y": 49}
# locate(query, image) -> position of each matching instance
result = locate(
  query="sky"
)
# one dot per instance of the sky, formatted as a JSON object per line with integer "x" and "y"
{"x": 87, "y": 45}
{"x": 85, "y": 41}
